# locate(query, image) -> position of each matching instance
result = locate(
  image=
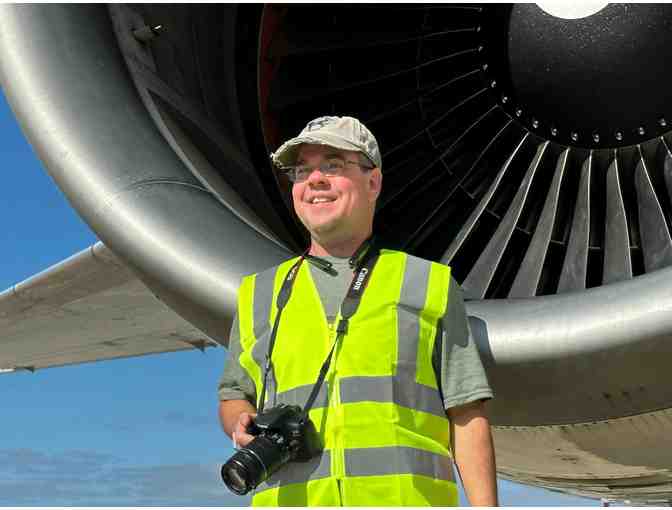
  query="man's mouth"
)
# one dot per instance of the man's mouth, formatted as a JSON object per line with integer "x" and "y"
{"x": 320, "y": 200}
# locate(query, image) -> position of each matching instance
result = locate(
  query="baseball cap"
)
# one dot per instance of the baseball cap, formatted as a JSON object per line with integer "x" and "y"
{"x": 345, "y": 133}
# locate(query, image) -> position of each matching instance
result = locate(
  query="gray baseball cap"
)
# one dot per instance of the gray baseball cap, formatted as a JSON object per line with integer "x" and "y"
{"x": 345, "y": 133}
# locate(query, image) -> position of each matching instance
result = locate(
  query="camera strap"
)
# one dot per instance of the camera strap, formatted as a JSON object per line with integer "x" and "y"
{"x": 365, "y": 266}
{"x": 281, "y": 301}
{"x": 364, "y": 261}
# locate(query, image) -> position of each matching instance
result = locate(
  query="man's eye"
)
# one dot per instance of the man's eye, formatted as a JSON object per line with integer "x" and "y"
{"x": 302, "y": 170}
{"x": 334, "y": 164}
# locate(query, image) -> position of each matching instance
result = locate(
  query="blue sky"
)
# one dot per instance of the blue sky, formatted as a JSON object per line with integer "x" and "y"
{"x": 135, "y": 432}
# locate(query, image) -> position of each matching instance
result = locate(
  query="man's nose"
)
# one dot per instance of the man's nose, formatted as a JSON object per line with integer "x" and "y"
{"x": 316, "y": 177}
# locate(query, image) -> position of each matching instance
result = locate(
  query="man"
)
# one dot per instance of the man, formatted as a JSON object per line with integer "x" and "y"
{"x": 405, "y": 388}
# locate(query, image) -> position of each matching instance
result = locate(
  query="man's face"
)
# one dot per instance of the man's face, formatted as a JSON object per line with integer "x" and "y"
{"x": 338, "y": 207}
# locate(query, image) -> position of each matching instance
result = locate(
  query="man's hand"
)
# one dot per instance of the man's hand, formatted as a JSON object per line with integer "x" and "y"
{"x": 474, "y": 453}
{"x": 240, "y": 436}
{"x": 236, "y": 416}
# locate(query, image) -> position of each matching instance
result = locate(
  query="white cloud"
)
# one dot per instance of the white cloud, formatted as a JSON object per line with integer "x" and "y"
{"x": 72, "y": 478}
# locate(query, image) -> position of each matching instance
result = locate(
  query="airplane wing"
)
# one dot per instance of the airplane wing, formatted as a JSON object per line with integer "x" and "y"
{"x": 89, "y": 307}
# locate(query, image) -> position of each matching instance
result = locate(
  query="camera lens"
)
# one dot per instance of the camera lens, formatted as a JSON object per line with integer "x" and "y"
{"x": 233, "y": 479}
{"x": 236, "y": 473}
{"x": 253, "y": 464}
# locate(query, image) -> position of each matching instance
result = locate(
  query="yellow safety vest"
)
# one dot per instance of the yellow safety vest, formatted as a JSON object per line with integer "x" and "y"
{"x": 379, "y": 414}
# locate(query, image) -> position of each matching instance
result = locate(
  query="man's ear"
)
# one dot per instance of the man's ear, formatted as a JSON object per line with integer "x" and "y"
{"x": 375, "y": 182}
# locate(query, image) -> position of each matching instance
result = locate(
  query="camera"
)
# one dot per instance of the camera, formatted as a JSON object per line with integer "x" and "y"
{"x": 283, "y": 434}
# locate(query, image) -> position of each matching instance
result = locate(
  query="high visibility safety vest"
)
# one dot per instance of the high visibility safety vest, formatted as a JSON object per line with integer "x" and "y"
{"x": 379, "y": 414}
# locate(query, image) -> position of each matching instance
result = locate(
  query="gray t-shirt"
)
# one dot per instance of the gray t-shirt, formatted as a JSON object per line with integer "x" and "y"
{"x": 455, "y": 358}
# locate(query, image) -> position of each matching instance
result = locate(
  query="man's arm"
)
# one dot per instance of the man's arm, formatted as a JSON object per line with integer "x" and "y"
{"x": 474, "y": 452}
{"x": 236, "y": 393}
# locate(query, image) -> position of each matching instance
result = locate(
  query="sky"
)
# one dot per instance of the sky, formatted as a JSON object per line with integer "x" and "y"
{"x": 133, "y": 432}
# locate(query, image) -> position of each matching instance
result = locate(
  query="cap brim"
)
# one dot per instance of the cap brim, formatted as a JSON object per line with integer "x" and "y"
{"x": 287, "y": 152}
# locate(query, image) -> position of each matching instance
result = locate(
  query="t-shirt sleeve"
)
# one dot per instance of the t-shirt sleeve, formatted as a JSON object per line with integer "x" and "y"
{"x": 235, "y": 383}
{"x": 463, "y": 378}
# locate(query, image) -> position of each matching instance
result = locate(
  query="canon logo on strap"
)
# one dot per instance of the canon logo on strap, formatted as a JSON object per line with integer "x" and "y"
{"x": 360, "y": 278}
{"x": 292, "y": 273}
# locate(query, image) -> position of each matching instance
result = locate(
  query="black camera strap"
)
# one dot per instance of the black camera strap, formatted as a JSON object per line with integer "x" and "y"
{"x": 281, "y": 301}
{"x": 349, "y": 306}
{"x": 364, "y": 261}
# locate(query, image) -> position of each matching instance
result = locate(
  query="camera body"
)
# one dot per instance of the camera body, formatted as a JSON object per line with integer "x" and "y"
{"x": 283, "y": 434}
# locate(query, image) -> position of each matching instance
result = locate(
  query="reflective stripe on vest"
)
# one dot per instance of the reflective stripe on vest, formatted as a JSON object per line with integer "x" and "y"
{"x": 379, "y": 413}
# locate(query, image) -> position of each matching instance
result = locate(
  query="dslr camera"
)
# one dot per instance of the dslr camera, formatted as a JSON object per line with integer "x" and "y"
{"x": 283, "y": 434}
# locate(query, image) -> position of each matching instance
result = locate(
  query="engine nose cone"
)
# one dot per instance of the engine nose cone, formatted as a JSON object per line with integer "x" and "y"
{"x": 572, "y": 10}
{"x": 598, "y": 81}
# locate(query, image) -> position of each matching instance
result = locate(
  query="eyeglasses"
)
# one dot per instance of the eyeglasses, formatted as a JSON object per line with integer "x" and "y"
{"x": 331, "y": 167}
